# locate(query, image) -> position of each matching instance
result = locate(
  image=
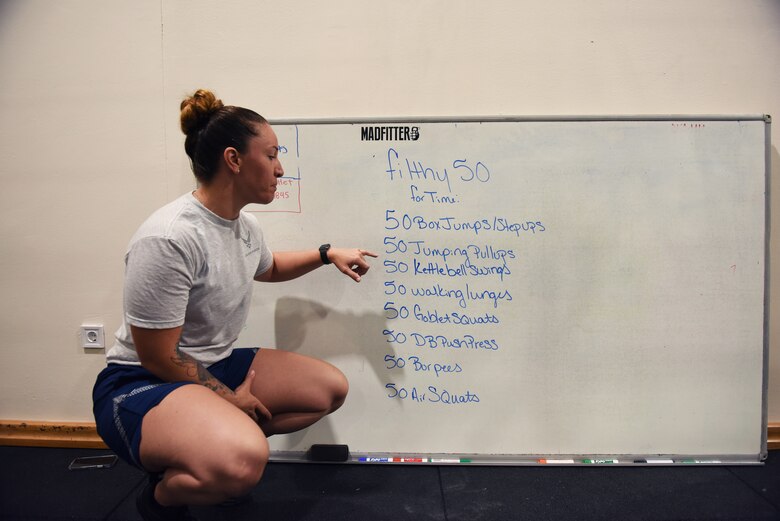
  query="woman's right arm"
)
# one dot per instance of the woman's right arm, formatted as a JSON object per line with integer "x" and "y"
{"x": 159, "y": 353}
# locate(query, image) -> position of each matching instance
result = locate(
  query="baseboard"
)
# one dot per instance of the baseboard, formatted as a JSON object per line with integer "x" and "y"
{"x": 773, "y": 436}
{"x": 84, "y": 435}
{"x": 50, "y": 434}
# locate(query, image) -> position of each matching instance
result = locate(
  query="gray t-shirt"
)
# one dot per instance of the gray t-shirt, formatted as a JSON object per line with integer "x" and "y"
{"x": 186, "y": 265}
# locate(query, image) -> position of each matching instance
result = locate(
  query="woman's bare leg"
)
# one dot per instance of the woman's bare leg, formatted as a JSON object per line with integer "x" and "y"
{"x": 208, "y": 449}
{"x": 297, "y": 389}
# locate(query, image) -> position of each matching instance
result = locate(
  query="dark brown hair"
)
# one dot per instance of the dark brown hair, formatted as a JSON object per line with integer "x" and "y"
{"x": 211, "y": 127}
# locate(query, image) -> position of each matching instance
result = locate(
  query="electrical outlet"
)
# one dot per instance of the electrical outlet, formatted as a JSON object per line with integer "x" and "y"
{"x": 92, "y": 337}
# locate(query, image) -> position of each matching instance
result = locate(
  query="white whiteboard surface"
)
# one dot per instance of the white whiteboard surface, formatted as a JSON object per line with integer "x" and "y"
{"x": 584, "y": 287}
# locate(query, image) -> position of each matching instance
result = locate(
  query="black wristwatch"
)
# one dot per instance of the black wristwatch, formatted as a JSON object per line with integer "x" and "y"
{"x": 324, "y": 253}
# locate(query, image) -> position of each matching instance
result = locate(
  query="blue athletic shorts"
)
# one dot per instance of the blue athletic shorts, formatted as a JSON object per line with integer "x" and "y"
{"x": 123, "y": 394}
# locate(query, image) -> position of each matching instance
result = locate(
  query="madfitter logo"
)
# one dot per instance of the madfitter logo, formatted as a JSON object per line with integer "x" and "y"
{"x": 387, "y": 133}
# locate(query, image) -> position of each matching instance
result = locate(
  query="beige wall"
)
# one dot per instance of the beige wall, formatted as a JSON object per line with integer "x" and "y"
{"x": 89, "y": 143}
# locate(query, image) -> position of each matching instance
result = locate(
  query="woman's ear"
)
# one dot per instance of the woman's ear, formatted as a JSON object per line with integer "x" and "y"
{"x": 232, "y": 159}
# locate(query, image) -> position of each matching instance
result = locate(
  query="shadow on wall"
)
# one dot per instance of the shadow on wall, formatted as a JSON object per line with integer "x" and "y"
{"x": 310, "y": 328}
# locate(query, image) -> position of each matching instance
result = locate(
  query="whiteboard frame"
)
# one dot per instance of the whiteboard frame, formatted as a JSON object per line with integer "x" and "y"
{"x": 520, "y": 119}
{"x": 575, "y": 459}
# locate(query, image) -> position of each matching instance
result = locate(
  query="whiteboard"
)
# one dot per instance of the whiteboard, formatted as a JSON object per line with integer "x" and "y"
{"x": 545, "y": 287}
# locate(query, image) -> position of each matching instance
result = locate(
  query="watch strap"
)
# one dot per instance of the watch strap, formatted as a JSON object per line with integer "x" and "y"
{"x": 324, "y": 253}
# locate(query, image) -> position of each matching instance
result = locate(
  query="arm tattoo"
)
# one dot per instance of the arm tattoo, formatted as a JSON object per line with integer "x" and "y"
{"x": 195, "y": 369}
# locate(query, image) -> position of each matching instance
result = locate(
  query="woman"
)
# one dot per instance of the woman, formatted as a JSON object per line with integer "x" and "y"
{"x": 176, "y": 398}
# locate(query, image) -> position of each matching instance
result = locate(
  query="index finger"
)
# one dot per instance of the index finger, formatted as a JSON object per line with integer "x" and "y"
{"x": 264, "y": 412}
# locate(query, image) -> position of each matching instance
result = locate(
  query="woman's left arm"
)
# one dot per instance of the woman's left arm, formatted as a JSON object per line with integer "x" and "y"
{"x": 288, "y": 265}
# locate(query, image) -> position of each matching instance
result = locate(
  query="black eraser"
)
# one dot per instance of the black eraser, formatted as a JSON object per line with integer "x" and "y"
{"x": 323, "y": 452}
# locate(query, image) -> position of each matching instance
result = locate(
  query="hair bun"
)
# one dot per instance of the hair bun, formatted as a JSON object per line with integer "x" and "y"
{"x": 196, "y": 110}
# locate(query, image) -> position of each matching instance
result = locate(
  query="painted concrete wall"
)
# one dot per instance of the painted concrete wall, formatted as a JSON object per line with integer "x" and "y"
{"x": 90, "y": 145}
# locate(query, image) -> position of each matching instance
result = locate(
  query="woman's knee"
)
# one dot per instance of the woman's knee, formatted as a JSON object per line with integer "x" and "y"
{"x": 239, "y": 467}
{"x": 338, "y": 387}
{"x": 329, "y": 392}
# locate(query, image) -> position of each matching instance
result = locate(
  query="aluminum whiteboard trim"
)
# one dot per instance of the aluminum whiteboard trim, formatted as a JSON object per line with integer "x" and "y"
{"x": 514, "y": 119}
{"x": 767, "y": 272}
{"x": 358, "y": 457}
